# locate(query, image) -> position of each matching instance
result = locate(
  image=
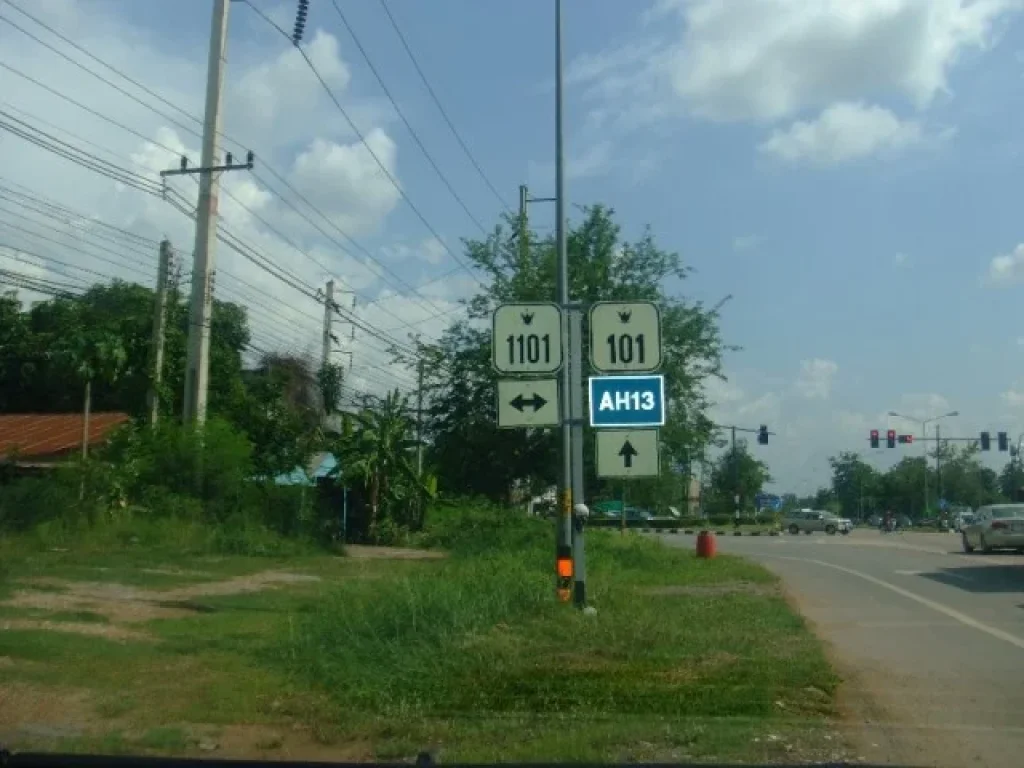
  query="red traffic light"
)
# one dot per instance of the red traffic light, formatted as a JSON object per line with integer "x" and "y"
{"x": 890, "y": 438}
{"x": 906, "y": 438}
{"x": 874, "y": 438}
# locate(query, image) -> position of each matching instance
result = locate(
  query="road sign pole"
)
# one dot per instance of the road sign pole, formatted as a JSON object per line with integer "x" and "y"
{"x": 579, "y": 553}
{"x": 563, "y": 546}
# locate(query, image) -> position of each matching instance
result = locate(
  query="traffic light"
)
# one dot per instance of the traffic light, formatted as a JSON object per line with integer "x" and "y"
{"x": 890, "y": 438}
{"x": 986, "y": 441}
{"x": 906, "y": 439}
{"x": 762, "y": 435}
{"x": 1004, "y": 441}
{"x": 874, "y": 438}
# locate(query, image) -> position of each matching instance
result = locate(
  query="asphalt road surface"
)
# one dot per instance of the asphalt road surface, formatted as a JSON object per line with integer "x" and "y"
{"x": 929, "y": 641}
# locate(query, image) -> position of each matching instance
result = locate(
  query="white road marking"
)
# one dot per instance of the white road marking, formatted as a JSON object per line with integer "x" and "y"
{"x": 952, "y": 613}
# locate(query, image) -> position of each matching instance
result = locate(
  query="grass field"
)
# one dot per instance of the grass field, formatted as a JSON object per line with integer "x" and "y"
{"x": 144, "y": 647}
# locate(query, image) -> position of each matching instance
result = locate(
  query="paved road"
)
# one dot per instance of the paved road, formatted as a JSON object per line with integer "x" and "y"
{"x": 930, "y": 641}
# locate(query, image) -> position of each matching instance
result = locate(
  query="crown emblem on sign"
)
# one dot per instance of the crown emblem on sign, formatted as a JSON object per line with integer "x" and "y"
{"x": 624, "y": 316}
{"x": 527, "y": 317}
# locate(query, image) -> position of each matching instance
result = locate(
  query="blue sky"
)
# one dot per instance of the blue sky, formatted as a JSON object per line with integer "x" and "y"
{"x": 846, "y": 171}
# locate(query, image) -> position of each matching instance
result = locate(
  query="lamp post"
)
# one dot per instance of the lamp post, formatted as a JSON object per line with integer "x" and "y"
{"x": 924, "y": 434}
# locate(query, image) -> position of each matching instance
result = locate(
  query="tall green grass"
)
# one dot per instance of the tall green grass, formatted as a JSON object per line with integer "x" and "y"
{"x": 481, "y": 634}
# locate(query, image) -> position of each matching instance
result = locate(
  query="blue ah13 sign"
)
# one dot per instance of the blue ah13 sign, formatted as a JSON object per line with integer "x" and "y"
{"x": 627, "y": 401}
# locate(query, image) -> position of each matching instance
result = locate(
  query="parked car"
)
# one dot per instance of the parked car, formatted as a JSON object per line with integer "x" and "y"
{"x": 997, "y": 526}
{"x": 811, "y": 520}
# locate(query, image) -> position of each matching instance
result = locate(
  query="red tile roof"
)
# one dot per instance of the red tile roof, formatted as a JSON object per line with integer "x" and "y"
{"x": 35, "y": 435}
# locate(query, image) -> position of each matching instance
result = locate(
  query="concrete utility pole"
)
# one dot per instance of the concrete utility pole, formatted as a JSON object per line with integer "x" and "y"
{"x": 325, "y": 353}
{"x": 564, "y": 534}
{"x": 197, "y": 363}
{"x": 735, "y": 479}
{"x": 419, "y": 418}
{"x": 524, "y": 228}
{"x": 159, "y": 328}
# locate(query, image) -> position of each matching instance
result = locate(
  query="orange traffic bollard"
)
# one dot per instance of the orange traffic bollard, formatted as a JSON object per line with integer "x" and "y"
{"x": 707, "y": 545}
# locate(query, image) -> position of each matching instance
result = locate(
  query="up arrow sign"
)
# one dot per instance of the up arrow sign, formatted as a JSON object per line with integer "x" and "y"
{"x": 627, "y": 452}
{"x": 536, "y": 402}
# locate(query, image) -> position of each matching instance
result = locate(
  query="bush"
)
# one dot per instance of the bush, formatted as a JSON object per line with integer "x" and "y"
{"x": 474, "y": 527}
{"x": 33, "y": 500}
{"x": 214, "y": 465}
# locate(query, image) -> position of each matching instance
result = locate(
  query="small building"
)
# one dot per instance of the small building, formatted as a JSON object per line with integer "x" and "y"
{"x": 319, "y": 467}
{"x": 38, "y": 442}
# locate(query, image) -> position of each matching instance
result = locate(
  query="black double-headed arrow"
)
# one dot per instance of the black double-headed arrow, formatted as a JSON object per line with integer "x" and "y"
{"x": 536, "y": 402}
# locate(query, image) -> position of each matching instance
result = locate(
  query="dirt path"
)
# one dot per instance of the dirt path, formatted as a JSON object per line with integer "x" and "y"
{"x": 119, "y": 604}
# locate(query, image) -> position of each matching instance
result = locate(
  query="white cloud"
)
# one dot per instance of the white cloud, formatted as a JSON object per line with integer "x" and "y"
{"x": 746, "y": 242}
{"x": 1014, "y": 398}
{"x": 1008, "y": 267}
{"x": 922, "y": 405}
{"x": 345, "y": 181}
{"x": 816, "y": 377}
{"x": 841, "y": 133}
{"x": 770, "y": 59}
{"x": 429, "y": 249}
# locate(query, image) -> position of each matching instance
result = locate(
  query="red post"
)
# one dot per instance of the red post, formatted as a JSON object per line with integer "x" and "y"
{"x": 707, "y": 545}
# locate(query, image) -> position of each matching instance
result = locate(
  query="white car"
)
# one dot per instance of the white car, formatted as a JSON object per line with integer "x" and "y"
{"x": 997, "y": 526}
{"x": 810, "y": 520}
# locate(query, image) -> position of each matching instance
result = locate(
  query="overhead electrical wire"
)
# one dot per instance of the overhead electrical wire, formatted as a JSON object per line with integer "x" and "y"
{"x": 441, "y": 109}
{"x": 439, "y": 313}
{"x": 165, "y": 101}
{"x": 62, "y": 209}
{"x": 121, "y": 265}
{"x": 355, "y": 129}
{"x": 129, "y": 178}
{"x": 412, "y": 131}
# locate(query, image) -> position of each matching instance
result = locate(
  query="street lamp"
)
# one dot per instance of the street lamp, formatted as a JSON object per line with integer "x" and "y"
{"x": 924, "y": 434}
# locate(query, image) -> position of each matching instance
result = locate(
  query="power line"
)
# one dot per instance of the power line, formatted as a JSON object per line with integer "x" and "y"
{"x": 344, "y": 234}
{"x": 83, "y": 67}
{"x": 401, "y": 115}
{"x": 83, "y": 107}
{"x": 362, "y": 139}
{"x": 92, "y": 162}
{"x": 37, "y": 236}
{"x": 165, "y": 101}
{"x": 84, "y": 236}
{"x": 66, "y": 211}
{"x": 79, "y": 157}
{"x": 67, "y": 265}
{"x": 441, "y": 109}
{"x": 439, "y": 313}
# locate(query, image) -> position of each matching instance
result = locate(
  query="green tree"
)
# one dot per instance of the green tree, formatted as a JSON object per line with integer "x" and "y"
{"x": 378, "y": 451}
{"x": 856, "y": 485}
{"x": 962, "y": 479}
{"x": 736, "y": 472}
{"x": 1011, "y": 479}
{"x": 278, "y": 411}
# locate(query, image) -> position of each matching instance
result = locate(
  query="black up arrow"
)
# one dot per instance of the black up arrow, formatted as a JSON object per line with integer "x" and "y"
{"x": 536, "y": 401}
{"x": 627, "y": 453}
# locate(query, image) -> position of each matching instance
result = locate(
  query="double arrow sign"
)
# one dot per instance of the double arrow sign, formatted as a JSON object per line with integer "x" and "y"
{"x": 528, "y": 403}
